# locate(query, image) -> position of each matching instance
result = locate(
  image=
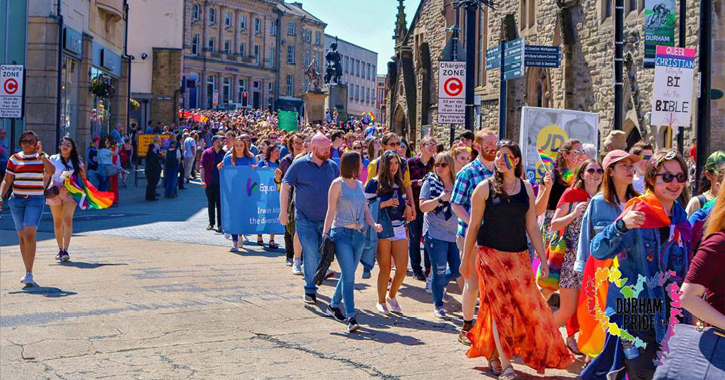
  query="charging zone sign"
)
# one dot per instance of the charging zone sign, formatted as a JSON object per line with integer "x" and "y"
{"x": 11, "y": 91}
{"x": 451, "y": 92}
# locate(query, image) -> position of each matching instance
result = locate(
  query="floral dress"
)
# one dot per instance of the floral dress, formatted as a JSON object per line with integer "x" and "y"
{"x": 568, "y": 277}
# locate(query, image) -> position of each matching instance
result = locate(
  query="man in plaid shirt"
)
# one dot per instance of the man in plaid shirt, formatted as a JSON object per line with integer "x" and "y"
{"x": 466, "y": 181}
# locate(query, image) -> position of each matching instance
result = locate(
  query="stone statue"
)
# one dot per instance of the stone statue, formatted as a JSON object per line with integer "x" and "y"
{"x": 314, "y": 76}
{"x": 333, "y": 72}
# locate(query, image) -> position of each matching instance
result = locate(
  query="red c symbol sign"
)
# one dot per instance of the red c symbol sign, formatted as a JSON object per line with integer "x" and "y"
{"x": 10, "y": 86}
{"x": 453, "y": 87}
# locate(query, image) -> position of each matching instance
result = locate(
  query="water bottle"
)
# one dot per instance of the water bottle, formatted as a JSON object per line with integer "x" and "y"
{"x": 630, "y": 350}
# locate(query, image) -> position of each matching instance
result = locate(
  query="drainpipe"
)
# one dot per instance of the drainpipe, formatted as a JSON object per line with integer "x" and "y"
{"x": 59, "y": 87}
{"x": 127, "y": 58}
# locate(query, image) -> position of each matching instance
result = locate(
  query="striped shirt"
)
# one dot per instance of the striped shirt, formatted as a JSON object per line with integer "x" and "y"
{"x": 28, "y": 172}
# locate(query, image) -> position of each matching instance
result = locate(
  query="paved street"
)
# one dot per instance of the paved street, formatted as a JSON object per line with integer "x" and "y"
{"x": 149, "y": 294}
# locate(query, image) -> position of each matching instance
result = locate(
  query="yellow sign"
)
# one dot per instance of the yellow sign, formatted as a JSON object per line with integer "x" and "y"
{"x": 144, "y": 139}
{"x": 549, "y": 140}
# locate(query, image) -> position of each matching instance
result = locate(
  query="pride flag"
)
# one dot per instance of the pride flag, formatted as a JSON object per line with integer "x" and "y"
{"x": 372, "y": 117}
{"x": 87, "y": 195}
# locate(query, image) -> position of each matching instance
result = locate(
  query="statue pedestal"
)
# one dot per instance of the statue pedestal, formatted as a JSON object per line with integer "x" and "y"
{"x": 337, "y": 100}
{"x": 314, "y": 107}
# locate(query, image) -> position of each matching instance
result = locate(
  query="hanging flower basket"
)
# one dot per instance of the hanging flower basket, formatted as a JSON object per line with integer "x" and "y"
{"x": 134, "y": 104}
{"x": 101, "y": 88}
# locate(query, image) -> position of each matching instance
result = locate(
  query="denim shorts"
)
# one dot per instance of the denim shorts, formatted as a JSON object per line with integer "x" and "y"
{"x": 27, "y": 212}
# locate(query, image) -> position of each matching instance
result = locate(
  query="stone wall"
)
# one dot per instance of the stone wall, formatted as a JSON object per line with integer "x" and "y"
{"x": 164, "y": 85}
{"x": 41, "y": 79}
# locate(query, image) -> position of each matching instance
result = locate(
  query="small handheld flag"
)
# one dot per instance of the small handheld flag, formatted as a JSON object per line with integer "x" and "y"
{"x": 546, "y": 159}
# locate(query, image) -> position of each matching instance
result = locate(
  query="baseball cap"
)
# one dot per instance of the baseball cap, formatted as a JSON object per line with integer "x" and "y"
{"x": 715, "y": 160}
{"x": 618, "y": 155}
{"x": 217, "y": 137}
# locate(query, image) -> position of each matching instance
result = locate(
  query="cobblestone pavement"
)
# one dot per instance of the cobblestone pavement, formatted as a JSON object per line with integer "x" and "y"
{"x": 150, "y": 294}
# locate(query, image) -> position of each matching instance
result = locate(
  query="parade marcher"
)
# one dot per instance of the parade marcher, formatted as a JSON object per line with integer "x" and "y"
{"x": 270, "y": 161}
{"x": 644, "y": 151}
{"x": 190, "y": 148}
{"x": 62, "y": 205}
{"x": 461, "y": 157}
{"x": 347, "y": 213}
{"x": 337, "y": 138}
{"x": 295, "y": 141}
{"x": 152, "y": 170}
{"x": 171, "y": 170}
{"x": 570, "y": 155}
{"x": 26, "y": 174}
{"x": 106, "y": 167}
{"x": 466, "y": 181}
{"x": 698, "y": 218}
{"x": 391, "y": 142}
{"x": 239, "y": 155}
{"x": 210, "y": 160}
{"x": 708, "y": 189}
{"x": 92, "y": 163}
{"x": 502, "y": 216}
{"x": 650, "y": 237}
{"x": 392, "y": 243}
{"x": 439, "y": 228}
{"x": 311, "y": 177}
{"x": 419, "y": 167}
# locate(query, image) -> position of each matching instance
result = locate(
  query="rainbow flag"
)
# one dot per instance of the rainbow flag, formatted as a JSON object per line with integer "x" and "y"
{"x": 546, "y": 159}
{"x": 87, "y": 195}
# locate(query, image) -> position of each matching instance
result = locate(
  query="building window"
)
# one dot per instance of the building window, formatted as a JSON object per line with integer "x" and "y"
{"x": 242, "y": 22}
{"x": 257, "y": 25}
{"x": 227, "y": 19}
{"x": 357, "y": 62}
{"x": 346, "y": 63}
{"x": 272, "y": 27}
{"x": 256, "y": 54}
{"x": 308, "y": 36}
{"x": 317, "y": 61}
{"x": 351, "y": 92}
{"x": 195, "y": 44}
{"x": 374, "y": 73}
{"x": 606, "y": 7}
{"x": 195, "y": 12}
{"x": 308, "y": 57}
{"x": 270, "y": 87}
{"x": 291, "y": 29}
{"x": 318, "y": 38}
{"x": 631, "y": 6}
{"x": 226, "y": 90}
{"x": 291, "y": 54}
{"x": 370, "y": 77}
{"x": 241, "y": 89}
{"x": 212, "y": 44}
{"x": 255, "y": 85}
{"x": 271, "y": 57}
{"x": 227, "y": 47}
{"x": 212, "y": 16}
{"x": 290, "y": 85}
{"x": 210, "y": 88}
{"x": 242, "y": 50}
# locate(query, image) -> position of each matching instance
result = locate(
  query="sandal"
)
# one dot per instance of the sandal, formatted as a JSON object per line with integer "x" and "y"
{"x": 260, "y": 241}
{"x": 495, "y": 365}
{"x": 508, "y": 374}
{"x": 572, "y": 346}
{"x": 273, "y": 245}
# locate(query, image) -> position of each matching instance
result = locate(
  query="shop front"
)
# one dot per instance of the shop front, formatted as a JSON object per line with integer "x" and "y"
{"x": 105, "y": 75}
{"x": 70, "y": 78}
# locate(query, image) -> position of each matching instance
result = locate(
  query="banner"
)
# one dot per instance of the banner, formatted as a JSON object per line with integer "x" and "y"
{"x": 144, "y": 139}
{"x": 250, "y": 201}
{"x": 547, "y": 129}
{"x": 287, "y": 120}
{"x": 659, "y": 27}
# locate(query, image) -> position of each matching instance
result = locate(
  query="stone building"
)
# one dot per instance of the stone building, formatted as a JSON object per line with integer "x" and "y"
{"x": 380, "y": 98}
{"x": 359, "y": 73}
{"x": 92, "y": 74}
{"x": 246, "y": 53}
{"x": 584, "y": 31}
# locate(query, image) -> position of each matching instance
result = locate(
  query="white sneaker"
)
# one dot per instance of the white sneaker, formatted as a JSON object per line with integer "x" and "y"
{"x": 428, "y": 283}
{"x": 394, "y": 306}
{"x": 234, "y": 249}
{"x": 28, "y": 280}
{"x": 297, "y": 267}
{"x": 439, "y": 312}
{"x": 382, "y": 308}
{"x": 227, "y": 236}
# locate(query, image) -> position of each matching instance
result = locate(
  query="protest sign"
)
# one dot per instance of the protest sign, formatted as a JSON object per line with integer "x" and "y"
{"x": 287, "y": 120}
{"x": 250, "y": 201}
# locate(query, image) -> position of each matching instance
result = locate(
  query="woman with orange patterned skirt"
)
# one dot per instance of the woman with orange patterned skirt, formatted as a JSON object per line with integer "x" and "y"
{"x": 514, "y": 319}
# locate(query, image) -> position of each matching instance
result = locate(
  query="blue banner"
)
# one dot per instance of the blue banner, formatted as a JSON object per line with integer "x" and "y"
{"x": 250, "y": 201}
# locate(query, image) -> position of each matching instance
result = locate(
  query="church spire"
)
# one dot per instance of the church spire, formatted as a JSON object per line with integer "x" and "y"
{"x": 400, "y": 23}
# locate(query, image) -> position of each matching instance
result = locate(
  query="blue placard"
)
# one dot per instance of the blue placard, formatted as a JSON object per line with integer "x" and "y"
{"x": 250, "y": 201}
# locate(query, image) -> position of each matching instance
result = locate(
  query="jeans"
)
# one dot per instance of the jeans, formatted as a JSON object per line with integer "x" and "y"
{"x": 188, "y": 165}
{"x": 152, "y": 179}
{"x": 172, "y": 177}
{"x": 94, "y": 178}
{"x": 349, "y": 245}
{"x": 310, "y": 233}
{"x": 442, "y": 253}
{"x": 27, "y": 212}
{"x": 104, "y": 183}
{"x": 214, "y": 199}
{"x": 415, "y": 229}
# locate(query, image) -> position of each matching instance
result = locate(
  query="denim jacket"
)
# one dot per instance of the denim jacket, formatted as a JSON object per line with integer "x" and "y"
{"x": 640, "y": 252}
{"x": 599, "y": 214}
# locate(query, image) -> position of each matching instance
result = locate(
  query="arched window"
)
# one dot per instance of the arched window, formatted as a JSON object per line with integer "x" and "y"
{"x": 538, "y": 92}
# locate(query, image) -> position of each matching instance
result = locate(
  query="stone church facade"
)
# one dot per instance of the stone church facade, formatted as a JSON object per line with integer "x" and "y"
{"x": 584, "y": 31}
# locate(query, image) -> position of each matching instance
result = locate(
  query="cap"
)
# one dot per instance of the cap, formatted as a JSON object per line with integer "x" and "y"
{"x": 217, "y": 137}
{"x": 618, "y": 155}
{"x": 715, "y": 160}
{"x": 617, "y": 139}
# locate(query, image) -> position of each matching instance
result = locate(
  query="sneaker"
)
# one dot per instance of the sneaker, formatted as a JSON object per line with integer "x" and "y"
{"x": 288, "y": 261}
{"x": 210, "y": 227}
{"x": 329, "y": 274}
{"x": 65, "y": 257}
{"x": 28, "y": 280}
{"x": 428, "y": 283}
{"x": 219, "y": 230}
{"x": 382, "y": 308}
{"x": 439, "y": 312}
{"x": 59, "y": 256}
{"x": 335, "y": 313}
{"x": 419, "y": 276}
{"x": 352, "y": 325}
{"x": 234, "y": 249}
{"x": 310, "y": 299}
{"x": 394, "y": 305}
{"x": 297, "y": 267}
{"x": 227, "y": 236}
{"x": 366, "y": 274}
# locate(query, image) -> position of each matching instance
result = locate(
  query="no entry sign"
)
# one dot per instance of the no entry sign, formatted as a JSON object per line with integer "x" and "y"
{"x": 451, "y": 92}
{"x": 11, "y": 91}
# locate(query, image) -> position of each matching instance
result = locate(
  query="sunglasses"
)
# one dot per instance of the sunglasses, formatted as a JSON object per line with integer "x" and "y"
{"x": 669, "y": 177}
{"x": 598, "y": 171}
{"x": 577, "y": 151}
{"x": 31, "y": 142}
{"x": 441, "y": 165}
{"x": 394, "y": 144}
{"x": 66, "y": 144}
{"x": 504, "y": 142}
{"x": 391, "y": 153}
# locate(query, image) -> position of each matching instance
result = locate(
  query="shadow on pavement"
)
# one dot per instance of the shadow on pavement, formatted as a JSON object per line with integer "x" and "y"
{"x": 82, "y": 265}
{"x": 47, "y": 291}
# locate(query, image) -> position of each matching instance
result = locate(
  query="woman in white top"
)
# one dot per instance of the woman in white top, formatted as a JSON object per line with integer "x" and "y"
{"x": 105, "y": 157}
{"x": 67, "y": 163}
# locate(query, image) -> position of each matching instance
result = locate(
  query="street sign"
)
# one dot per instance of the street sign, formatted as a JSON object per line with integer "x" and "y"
{"x": 513, "y": 59}
{"x": 451, "y": 92}
{"x": 543, "y": 56}
{"x": 674, "y": 79}
{"x": 11, "y": 91}
{"x": 493, "y": 58}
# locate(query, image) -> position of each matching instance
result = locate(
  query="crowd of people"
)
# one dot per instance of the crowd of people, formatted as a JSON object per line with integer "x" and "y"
{"x": 464, "y": 213}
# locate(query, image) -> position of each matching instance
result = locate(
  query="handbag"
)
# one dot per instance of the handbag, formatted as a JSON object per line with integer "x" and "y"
{"x": 694, "y": 354}
{"x": 107, "y": 170}
{"x": 51, "y": 192}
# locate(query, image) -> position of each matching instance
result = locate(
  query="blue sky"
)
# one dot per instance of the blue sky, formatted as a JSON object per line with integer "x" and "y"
{"x": 366, "y": 23}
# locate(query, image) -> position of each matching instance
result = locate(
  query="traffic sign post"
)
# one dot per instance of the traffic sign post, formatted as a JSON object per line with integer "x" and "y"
{"x": 452, "y": 92}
